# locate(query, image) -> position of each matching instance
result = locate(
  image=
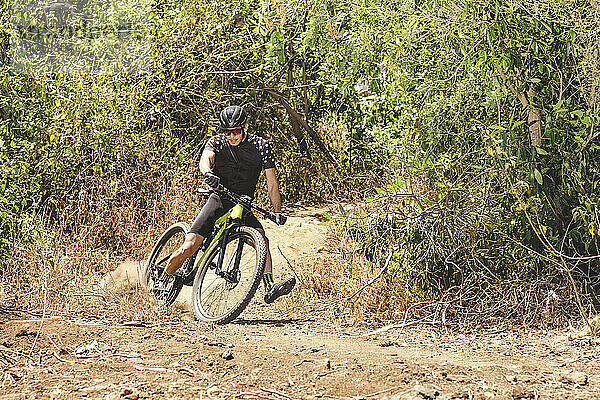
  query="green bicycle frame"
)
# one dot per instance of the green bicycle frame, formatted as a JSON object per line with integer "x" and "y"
{"x": 235, "y": 213}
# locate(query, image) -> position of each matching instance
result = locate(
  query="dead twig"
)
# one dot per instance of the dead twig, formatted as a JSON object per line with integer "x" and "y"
{"x": 303, "y": 361}
{"x": 88, "y": 295}
{"x": 276, "y": 393}
{"x": 186, "y": 371}
{"x": 389, "y": 327}
{"x": 181, "y": 353}
{"x": 381, "y": 392}
{"x": 55, "y": 353}
{"x": 288, "y": 261}
{"x": 363, "y": 287}
{"x": 41, "y": 321}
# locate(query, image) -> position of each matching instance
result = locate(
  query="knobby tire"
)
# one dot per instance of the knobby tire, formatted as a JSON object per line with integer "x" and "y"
{"x": 211, "y": 293}
{"x": 170, "y": 240}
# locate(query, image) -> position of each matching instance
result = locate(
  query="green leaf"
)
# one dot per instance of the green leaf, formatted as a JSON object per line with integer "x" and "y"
{"x": 541, "y": 151}
{"x": 518, "y": 123}
{"x": 538, "y": 176}
{"x": 587, "y": 121}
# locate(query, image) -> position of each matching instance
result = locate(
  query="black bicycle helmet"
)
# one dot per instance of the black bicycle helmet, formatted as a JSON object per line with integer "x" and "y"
{"x": 233, "y": 117}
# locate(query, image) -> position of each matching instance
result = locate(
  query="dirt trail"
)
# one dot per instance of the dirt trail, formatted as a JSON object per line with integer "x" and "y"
{"x": 265, "y": 354}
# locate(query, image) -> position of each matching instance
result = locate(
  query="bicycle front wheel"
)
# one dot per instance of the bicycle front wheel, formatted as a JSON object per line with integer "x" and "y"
{"x": 220, "y": 297}
{"x": 170, "y": 241}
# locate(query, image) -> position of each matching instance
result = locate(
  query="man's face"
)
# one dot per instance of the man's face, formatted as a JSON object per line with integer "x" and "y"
{"x": 234, "y": 136}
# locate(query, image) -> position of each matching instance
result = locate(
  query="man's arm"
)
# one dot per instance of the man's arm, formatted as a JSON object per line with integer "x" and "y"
{"x": 206, "y": 161}
{"x": 273, "y": 188}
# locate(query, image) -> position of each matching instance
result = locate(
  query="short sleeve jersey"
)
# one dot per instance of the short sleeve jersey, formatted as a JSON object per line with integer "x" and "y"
{"x": 239, "y": 167}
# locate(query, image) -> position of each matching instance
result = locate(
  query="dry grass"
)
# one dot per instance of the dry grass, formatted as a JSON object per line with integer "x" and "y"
{"x": 58, "y": 270}
{"x": 346, "y": 285}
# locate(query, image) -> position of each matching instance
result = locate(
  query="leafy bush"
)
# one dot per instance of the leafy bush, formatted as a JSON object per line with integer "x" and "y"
{"x": 495, "y": 107}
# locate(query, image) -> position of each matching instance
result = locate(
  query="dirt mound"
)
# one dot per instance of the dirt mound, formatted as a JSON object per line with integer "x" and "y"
{"x": 125, "y": 277}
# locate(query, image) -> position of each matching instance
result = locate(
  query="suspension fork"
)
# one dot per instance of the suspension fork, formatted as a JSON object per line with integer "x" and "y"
{"x": 223, "y": 244}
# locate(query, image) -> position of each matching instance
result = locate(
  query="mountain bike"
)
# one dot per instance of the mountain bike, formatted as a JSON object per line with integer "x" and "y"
{"x": 227, "y": 269}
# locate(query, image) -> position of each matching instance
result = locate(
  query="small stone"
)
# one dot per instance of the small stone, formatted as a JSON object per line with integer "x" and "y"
{"x": 511, "y": 378}
{"x": 457, "y": 378}
{"x": 328, "y": 363}
{"x": 520, "y": 393}
{"x": 425, "y": 393}
{"x": 227, "y": 355}
{"x": 574, "y": 377}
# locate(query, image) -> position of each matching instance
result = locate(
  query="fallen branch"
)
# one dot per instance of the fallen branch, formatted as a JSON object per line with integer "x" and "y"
{"x": 363, "y": 287}
{"x": 298, "y": 118}
{"x": 288, "y": 261}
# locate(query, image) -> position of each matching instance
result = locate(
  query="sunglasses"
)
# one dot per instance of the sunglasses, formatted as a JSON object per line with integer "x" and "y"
{"x": 236, "y": 132}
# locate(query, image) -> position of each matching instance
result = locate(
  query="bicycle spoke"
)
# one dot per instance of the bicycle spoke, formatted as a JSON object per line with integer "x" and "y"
{"x": 206, "y": 291}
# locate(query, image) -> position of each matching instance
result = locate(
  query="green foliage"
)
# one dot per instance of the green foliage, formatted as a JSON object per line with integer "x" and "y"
{"x": 94, "y": 154}
{"x": 485, "y": 208}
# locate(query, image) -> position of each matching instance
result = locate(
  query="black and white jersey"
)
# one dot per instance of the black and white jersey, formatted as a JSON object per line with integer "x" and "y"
{"x": 239, "y": 167}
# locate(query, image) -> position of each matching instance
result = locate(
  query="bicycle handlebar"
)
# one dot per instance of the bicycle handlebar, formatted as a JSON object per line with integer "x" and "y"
{"x": 246, "y": 201}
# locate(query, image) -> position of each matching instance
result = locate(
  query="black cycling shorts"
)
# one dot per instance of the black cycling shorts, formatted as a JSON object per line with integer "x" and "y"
{"x": 214, "y": 208}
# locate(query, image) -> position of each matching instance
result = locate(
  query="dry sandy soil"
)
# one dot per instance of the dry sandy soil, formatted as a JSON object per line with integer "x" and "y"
{"x": 266, "y": 354}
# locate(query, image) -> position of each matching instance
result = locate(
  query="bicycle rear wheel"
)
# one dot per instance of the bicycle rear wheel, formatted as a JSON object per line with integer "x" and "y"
{"x": 221, "y": 298}
{"x": 170, "y": 241}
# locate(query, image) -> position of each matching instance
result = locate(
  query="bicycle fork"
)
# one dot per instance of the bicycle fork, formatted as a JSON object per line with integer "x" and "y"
{"x": 229, "y": 274}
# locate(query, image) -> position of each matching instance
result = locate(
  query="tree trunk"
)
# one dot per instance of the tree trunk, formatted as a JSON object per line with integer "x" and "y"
{"x": 296, "y": 127}
{"x": 534, "y": 120}
{"x": 298, "y": 118}
{"x": 534, "y": 115}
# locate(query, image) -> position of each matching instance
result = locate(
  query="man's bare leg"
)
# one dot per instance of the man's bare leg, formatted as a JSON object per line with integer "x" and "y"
{"x": 189, "y": 247}
{"x": 274, "y": 289}
{"x": 268, "y": 262}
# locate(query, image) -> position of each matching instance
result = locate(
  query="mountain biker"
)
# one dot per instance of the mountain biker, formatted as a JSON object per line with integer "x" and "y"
{"x": 235, "y": 158}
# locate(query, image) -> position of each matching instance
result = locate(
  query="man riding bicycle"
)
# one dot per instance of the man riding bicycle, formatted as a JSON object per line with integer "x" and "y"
{"x": 235, "y": 159}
